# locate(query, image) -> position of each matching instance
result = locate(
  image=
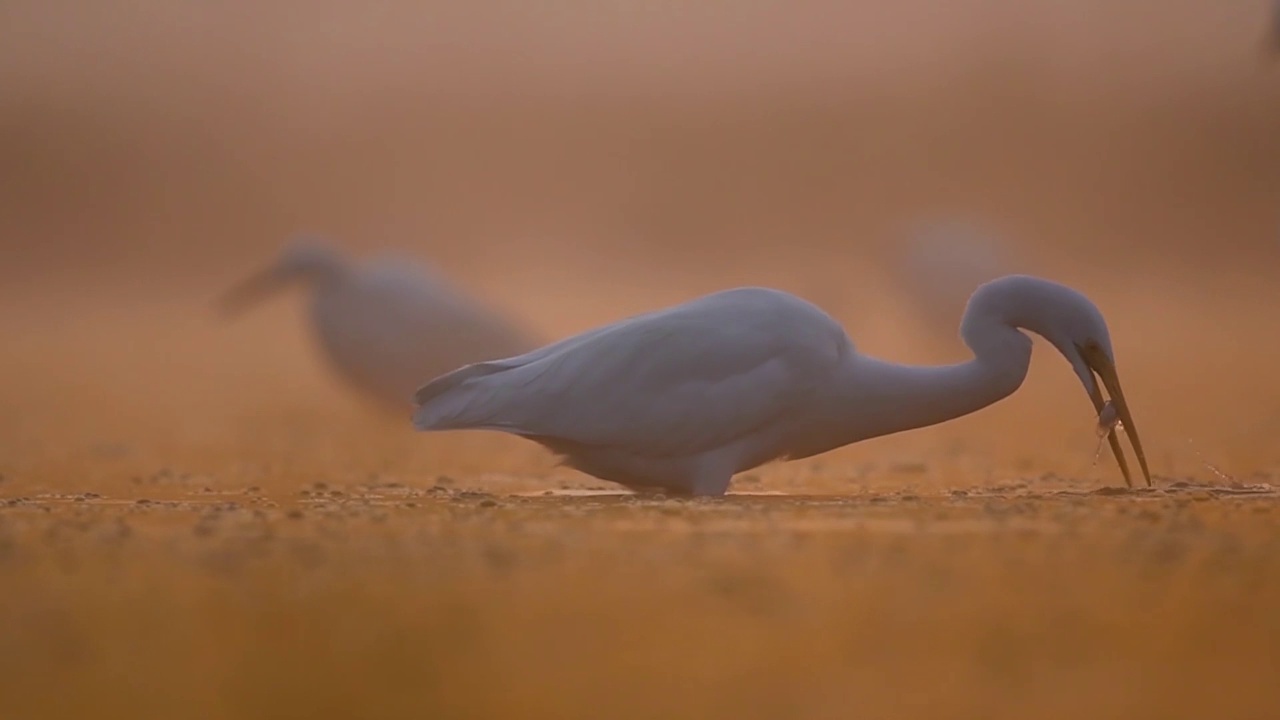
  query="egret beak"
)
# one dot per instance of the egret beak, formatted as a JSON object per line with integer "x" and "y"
{"x": 1100, "y": 364}
{"x": 250, "y": 291}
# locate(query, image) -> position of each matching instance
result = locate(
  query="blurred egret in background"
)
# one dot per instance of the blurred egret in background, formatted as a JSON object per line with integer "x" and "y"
{"x": 682, "y": 399}
{"x": 386, "y": 323}
{"x": 937, "y": 267}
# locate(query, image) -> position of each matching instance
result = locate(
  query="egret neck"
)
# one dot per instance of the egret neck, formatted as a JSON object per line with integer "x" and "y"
{"x": 916, "y": 396}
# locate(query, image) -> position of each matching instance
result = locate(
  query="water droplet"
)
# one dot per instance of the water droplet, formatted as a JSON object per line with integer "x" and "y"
{"x": 1212, "y": 468}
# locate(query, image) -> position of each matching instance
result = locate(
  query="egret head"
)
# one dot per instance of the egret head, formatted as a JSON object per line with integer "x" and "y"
{"x": 302, "y": 260}
{"x": 1074, "y": 325}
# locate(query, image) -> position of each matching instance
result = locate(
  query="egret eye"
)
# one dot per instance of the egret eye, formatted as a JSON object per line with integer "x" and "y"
{"x": 1108, "y": 420}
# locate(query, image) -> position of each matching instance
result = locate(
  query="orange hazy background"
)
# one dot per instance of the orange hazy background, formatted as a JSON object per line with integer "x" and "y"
{"x": 197, "y": 520}
{"x": 574, "y": 162}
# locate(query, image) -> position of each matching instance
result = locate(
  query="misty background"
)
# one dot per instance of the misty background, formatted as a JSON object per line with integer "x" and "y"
{"x": 574, "y": 162}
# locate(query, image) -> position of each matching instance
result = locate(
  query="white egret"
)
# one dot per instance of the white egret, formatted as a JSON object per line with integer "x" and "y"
{"x": 385, "y": 324}
{"x": 681, "y": 399}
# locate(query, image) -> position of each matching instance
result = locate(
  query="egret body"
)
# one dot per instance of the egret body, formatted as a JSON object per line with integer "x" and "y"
{"x": 681, "y": 399}
{"x": 385, "y": 324}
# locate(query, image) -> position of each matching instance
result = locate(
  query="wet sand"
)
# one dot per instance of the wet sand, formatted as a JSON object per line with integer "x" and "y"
{"x": 377, "y": 599}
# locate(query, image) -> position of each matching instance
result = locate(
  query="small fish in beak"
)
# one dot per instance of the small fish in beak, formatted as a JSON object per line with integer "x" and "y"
{"x": 1108, "y": 420}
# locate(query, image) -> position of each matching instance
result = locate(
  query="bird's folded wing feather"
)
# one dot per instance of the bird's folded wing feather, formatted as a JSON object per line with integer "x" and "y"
{"x": 678, "y": 386}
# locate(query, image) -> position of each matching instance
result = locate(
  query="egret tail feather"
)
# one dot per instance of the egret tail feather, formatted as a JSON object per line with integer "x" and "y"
{"x": 440, "y": 404}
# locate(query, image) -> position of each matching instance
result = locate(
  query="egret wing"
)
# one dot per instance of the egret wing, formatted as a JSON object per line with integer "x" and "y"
{"x": 674, "y": 382}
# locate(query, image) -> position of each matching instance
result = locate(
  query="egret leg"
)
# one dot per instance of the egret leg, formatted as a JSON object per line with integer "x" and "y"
{"x": 648, "y": 490}
{"x": 711, "y": 485}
